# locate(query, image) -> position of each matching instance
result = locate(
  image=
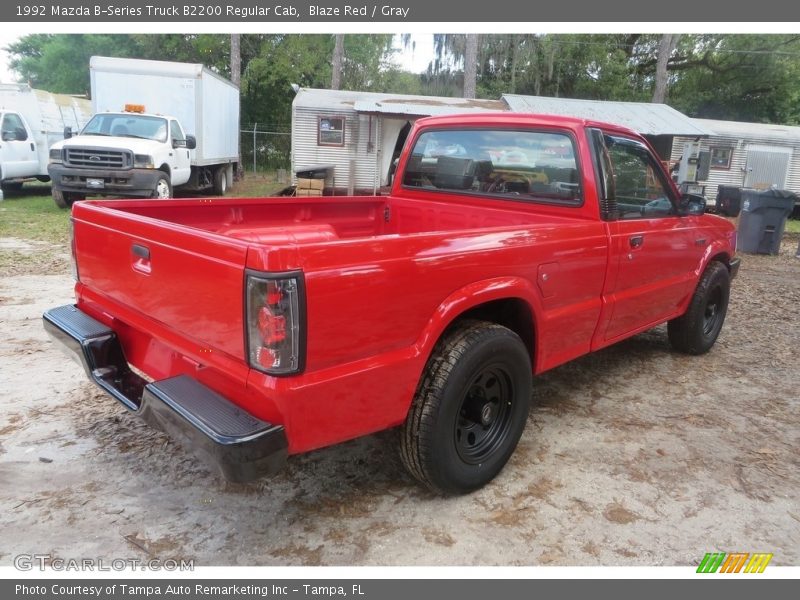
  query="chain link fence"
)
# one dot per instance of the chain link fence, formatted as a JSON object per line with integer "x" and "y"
{"x": 266, "y": 149}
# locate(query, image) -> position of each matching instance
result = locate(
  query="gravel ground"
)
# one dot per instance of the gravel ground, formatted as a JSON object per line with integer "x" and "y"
{"x": 632, "y": 456}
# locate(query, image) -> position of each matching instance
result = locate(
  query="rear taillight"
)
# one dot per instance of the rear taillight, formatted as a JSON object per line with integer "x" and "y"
{"x": 274, "y": 323}
{"x": 73, "y": 252}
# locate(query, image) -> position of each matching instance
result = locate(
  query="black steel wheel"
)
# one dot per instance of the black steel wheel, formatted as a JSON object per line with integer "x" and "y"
{"x": 712, "y": 314}
{"x": 470, "y": 408}
{"x": 485, "y": 416}
{"x": 696, "y": 331}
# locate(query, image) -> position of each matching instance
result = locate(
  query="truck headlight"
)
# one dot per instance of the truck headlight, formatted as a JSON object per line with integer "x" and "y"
{"x": 275, "y": 322}
{"x": 55, "y": 156}
{"x": 143, "y": 161}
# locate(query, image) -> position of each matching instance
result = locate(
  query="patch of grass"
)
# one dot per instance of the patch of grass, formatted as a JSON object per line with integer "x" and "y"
{"x": 793, "y": 226}
{"x": 29, "y": 215}
{"x": 255, "y": 185}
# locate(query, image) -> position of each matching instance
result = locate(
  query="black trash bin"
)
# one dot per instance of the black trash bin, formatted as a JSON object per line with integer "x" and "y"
{"x": 729, "y": 200}
{"x": 762, "y": 221}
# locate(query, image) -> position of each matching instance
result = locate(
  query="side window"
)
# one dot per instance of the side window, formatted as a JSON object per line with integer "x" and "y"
{"x": 640, "y": 192}
{"x": 519, "y": 165}
{"x": 330, "y": 131}
{"x": 177, "y": 132}
{"x": 13, "y": 129}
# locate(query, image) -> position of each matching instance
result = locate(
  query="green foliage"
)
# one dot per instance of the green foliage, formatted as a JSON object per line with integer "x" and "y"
{"x": 60, "y": 63}
{"x": 306, "y": 60}
{"x": 281, "y": 61}
{"x": 212, "y": 50}
{"x": 270, "y": 64}
{"x": 739, "y": 77}
{"x": 723, "y": 76}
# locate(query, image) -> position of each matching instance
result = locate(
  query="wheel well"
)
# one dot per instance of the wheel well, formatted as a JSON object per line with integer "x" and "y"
{"x": 721, "y": 257}
{"x": 513, "y": 313}
{"x": 164, "y": 168}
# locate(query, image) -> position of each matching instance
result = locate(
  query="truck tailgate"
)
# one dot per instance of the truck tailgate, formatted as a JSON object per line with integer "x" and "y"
{"x": 186, "y": 279}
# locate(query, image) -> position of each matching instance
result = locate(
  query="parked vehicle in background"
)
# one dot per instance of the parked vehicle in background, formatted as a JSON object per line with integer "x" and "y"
{"x": 158, "y": 126}
{"x": 30, "y": 122}
{"x": 274, "y": 326}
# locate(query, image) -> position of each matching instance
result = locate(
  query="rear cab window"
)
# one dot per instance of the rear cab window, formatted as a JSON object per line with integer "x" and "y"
{"x": 522, "y": 165}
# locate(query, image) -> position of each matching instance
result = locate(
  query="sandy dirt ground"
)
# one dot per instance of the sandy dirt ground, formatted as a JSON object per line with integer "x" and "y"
{"x": 632, "y": 456}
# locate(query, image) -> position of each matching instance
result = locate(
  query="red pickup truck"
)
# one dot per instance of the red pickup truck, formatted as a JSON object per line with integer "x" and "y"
{"x": 253, "y": 329}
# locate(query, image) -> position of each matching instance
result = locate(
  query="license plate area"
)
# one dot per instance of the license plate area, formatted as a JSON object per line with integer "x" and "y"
{"x": 95, "y": 183}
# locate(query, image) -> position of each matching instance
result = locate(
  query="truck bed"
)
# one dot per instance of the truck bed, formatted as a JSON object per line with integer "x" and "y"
{"x": 180, "y": 311}
{"x": 287, "y": 220}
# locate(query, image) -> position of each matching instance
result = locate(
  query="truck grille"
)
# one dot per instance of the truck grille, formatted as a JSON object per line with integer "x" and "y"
{"x": 98, "y": 158}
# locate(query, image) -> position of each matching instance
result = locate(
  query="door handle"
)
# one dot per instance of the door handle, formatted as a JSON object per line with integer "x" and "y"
{"x": 636, "y": 241}
{"x": 141, "y": 258}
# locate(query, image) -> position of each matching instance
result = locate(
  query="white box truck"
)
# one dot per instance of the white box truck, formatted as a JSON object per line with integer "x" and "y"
{"x": 30, "y": 122}
{"x": 158, "y": 126}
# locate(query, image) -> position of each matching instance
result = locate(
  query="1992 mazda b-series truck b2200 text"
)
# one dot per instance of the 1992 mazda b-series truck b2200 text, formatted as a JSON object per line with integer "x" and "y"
{"x": 252, "y": 329}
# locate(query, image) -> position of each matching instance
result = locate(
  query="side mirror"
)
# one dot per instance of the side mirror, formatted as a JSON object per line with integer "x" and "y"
{"x": 692, "y": 204}
{"x": 191, "y": 142}
{"x": 9, "y": 136}
{"x": 67, "y": 132}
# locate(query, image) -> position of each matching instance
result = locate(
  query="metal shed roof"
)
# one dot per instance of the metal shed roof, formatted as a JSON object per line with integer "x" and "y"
{"x": 738, "y": 129}
{"x": 427, "y": 106}
{"x": 644, "y": 117}
{"x": 394, "y": 104}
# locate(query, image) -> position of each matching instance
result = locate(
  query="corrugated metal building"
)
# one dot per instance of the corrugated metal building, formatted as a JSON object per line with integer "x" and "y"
{"x": 360, "y": 133}
{"x": 750, "y": 155}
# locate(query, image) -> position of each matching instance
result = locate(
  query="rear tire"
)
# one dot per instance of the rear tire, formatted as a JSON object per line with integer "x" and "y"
{"x": 696, "y": 331}
{"x": 220, "y": 181}
{"x": 469, "y": 410}
{"x": 163, "y": 188}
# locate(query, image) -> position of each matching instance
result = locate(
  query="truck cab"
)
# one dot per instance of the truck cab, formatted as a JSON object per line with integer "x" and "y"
{"x": 19, "y": 156}
{"x": 129, "y": 153}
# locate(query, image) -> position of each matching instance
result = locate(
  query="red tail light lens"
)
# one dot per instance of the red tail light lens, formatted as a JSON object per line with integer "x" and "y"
{"x": 274, "y": 323}
{"x": 271, "y": 327}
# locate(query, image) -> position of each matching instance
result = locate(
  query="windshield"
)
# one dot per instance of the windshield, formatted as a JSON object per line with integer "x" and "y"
{"x": 127, "y": 125}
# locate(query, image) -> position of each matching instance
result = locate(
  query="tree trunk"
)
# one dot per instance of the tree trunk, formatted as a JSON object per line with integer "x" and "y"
{"x": 665, "y": 48}
{"x": 338, "y": 56}
{"x": 514, "y": 45}
{"x": 236, "y": 79}
{"x": 471, "y": 66}
{"x": 236, "y": 59}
